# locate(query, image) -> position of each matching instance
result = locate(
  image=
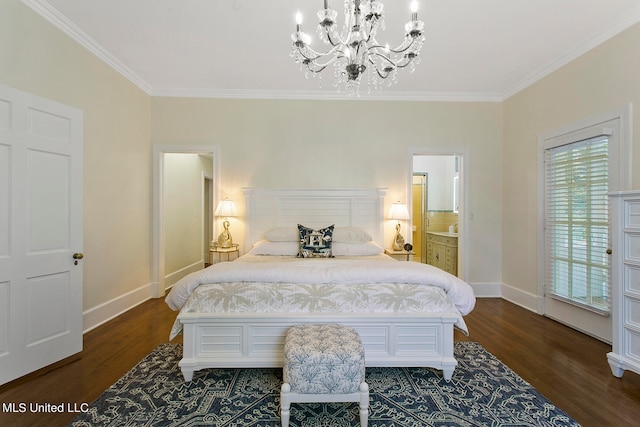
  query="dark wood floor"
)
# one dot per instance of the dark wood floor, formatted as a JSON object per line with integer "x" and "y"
{"x": 567, "y": 367}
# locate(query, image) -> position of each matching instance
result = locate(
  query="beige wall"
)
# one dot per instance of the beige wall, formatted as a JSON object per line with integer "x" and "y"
{"x": 604, "y": 79}
{"x": 345, "y": 144}
{"x": 37, "y": 58}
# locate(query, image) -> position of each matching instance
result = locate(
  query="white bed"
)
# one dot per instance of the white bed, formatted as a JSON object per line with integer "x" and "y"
{"x": 236, "y": 314}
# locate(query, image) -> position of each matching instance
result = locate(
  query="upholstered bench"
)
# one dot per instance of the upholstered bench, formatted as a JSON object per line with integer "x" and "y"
{"x": 323, "y": 363}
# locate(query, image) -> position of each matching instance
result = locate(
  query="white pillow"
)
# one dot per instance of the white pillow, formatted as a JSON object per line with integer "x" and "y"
{"x": 355, "y": 249}
{"x": 340, "y": 234}
{"x": 351, "y": 235}
{"x": 282, "y": 234}
{"x": 265, "y": 247}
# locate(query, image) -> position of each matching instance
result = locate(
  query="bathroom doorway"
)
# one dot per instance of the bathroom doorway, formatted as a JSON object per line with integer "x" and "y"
{"x": 419, "y": 208}
{"x": 436, "y": 211}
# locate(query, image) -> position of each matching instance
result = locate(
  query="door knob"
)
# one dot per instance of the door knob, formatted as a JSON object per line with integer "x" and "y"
{"x": 76, "y": 257}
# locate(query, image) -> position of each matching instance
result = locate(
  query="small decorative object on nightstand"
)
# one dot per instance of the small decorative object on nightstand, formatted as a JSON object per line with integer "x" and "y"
{"x": 403, "y": 255}
{"x": 217, "y": 252}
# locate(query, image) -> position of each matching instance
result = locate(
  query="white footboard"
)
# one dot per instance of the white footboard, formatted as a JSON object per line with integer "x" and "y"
{"x": 252, "y": 341}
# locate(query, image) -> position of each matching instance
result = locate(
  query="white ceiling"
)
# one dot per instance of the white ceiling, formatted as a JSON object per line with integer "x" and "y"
{"x": 474, "y": 49}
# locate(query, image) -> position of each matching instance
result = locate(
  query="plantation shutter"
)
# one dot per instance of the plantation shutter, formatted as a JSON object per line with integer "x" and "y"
{"x": 576, "y": 223}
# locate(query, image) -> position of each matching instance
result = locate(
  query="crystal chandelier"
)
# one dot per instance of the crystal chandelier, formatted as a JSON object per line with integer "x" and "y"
{"x": 356, "y": 50}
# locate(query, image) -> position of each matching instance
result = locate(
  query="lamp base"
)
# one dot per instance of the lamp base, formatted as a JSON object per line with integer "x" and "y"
{"x": 224, "y": 239}
{"x": 398, "y": 240}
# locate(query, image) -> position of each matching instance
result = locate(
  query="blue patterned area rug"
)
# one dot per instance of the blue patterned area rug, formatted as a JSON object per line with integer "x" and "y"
{"x": 482, "y": 392}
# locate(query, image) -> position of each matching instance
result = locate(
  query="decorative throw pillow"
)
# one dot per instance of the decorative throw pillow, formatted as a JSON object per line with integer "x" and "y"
{"x": 315, "y": 243}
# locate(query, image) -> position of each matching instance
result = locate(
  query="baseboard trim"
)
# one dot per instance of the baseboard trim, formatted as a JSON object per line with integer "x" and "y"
{"x": 172, "y": 278}
{"x": 521, "y": 298}
{"x": 109, "y": 310}
{"x": 487, "y": 290}
{"x": 100, "y": 314}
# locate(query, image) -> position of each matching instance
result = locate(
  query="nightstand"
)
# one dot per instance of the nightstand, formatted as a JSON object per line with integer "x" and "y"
{"x": 399, "y": 255}
{"x": 217, "y": 253}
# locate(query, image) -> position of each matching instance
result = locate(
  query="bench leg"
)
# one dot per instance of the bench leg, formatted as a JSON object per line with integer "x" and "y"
{"x": 364, "y": 404}
{"x": 285, "y": 404}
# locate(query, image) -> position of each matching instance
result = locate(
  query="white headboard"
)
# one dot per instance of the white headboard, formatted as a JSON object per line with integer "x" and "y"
{"x": 266, "y": 208}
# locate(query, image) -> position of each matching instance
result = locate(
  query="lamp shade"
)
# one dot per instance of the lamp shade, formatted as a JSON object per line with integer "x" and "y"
{"x": 399, "y": 212}
{"x": 226, "y": 208}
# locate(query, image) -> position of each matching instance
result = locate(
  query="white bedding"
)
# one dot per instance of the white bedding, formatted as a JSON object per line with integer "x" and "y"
{"x": 378, "y": 274}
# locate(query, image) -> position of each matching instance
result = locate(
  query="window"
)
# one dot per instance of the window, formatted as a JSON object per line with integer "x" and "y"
{"x": 576, "y": 223}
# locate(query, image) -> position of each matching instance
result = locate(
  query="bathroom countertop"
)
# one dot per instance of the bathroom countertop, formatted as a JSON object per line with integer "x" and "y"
{"x": 443, "y": 233}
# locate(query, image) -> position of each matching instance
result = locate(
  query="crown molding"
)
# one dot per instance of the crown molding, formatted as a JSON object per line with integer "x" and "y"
{"x": 624, "y": 23}
{"x": 320, "y": 95}
{"x": 48, "y": 12}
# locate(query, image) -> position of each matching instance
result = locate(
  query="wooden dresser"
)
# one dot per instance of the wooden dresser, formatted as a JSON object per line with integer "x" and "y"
{"x": 442, "y": 251}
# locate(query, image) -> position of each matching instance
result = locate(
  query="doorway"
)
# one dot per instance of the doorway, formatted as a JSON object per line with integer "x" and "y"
{"x": 174, "y": 257}
{"x": 419, "y": 209}
{"x": 578, "y": 168}
{"x": 437, "y": 204}
{"x": 207, "y": 217}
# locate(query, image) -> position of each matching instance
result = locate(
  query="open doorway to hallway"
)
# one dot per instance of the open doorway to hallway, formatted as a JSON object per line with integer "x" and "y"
{"x": 185, "y": 191}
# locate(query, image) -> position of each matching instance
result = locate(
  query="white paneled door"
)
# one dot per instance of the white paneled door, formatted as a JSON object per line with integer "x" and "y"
{"x": 580, "y": 167}
{"x": 40, "y": 232}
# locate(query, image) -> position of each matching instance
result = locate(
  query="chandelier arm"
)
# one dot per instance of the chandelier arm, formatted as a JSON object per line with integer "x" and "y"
{"x": 402, "y": 50}
{"x": 384, "y": 73}
{"x": 386, "y": 58}
{"x": 331, "y": 42}
{"x": 403, "y": 65}
{"x": 380, "y": 74}
{"x": 316, "y": 53}
{"x": 309, "y": 61}
{"x": 399, "y": 49}
{"x": 307, "y": 57}
{"x": 318, "y": 70}
{"x": 399, "y": 63}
